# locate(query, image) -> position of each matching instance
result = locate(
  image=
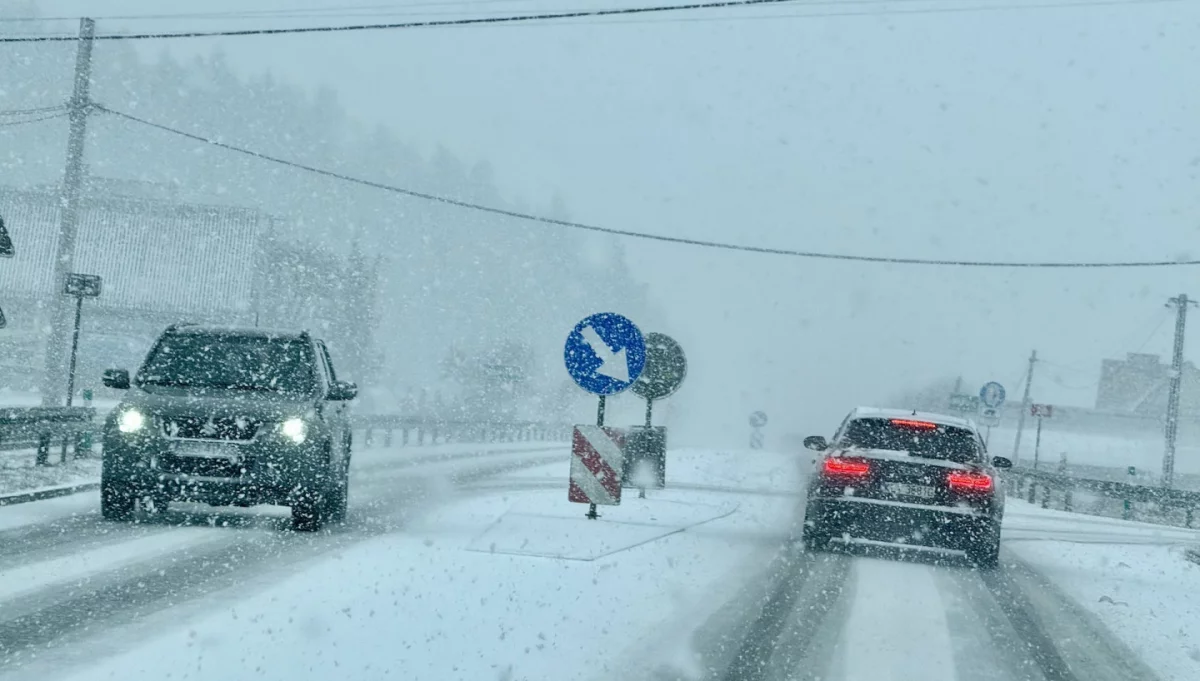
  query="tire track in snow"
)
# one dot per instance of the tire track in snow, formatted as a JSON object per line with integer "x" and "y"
{"x": 247, "y": 559}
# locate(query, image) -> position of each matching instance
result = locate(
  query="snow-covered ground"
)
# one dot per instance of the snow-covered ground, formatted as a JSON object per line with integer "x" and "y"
{"x": 1131, "y": 576}
{"x": 511, "y": 582}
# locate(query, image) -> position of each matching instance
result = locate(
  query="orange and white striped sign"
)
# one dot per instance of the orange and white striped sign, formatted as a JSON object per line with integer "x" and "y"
{"x": 597, "y": 460}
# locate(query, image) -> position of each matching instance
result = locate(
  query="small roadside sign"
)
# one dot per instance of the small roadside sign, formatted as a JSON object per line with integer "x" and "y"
{"x": 6, "y": 244}
{"x": 964, "y": 403}
{"x": 1042, "y": 411}
{"x": 82, "y": 285}
{"x": 605, "y": 353}
{"x": 992, "y": 395}
{"x": 989, "y": 416}
{"x": 758, "y": 419}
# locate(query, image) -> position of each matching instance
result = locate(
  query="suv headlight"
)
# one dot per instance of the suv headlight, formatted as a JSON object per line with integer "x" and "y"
{"x": 131, "y": 421}
{"x": 295, "y": 430}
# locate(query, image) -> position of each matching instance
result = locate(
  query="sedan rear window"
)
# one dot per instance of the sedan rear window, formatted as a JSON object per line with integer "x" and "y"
{"x": 926, "y": 440}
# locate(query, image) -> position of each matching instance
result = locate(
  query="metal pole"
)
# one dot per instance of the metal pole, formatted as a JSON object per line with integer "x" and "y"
{"x": 649, "y": 412}
{"x": 1037, "y": 443}
{"x": 1172, "y": 427}
{"x": 80, "y": 106}
{"x": 591, "y": 514}
{"x": 1024, "y": 407}
{"x": 74, "y": 350}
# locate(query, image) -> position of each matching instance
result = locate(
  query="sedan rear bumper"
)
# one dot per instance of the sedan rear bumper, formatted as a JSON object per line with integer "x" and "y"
{"x": 941, "y": 527}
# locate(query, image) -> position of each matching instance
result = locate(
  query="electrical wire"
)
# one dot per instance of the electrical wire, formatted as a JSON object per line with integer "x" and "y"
{"x": 434, "y": 23}
{"x": 26, "y": 112}
{"x": 559, "y": 19}
{"x": 6, "y": 124}
{"x": 631, "y": 234}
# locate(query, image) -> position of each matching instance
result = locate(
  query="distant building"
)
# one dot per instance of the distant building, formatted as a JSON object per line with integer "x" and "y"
{"x": 162, "y": 262}
{"x": 1140, "y": 384}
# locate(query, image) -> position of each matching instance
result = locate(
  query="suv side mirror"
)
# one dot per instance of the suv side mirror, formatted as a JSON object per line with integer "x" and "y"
{"x": 116, "y": 378}
{"x": 1001, "y": 462}
{"x": 342, "y": 391}
{"x": 816, "y": 443}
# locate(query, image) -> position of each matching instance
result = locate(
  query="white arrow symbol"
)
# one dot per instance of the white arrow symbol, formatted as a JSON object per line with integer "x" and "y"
{"x": 612, "y": 364}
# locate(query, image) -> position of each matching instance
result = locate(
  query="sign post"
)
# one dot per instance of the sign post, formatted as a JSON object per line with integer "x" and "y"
{"x": 757, "y": 420}
{"x": 81, "y": 286}
{"x": 666, "y": 367}
{"x": 6, "y": 251}
{"x": 1040, "y": 411}
{"x": 604, "y": 354}
{"x": 991, "y": 398}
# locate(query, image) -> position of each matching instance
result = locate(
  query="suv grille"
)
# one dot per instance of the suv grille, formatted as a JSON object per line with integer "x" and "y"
{"x": 216, "y": 428}
{"x": 213, "y": 468}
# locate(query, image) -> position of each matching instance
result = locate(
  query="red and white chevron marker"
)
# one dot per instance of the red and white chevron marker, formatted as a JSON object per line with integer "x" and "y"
{"x": 597, "y": 459}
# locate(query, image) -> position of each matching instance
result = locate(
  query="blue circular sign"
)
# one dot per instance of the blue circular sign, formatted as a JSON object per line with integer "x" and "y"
{"x": 992, "y": 394}
{"x": 605, "y": 353}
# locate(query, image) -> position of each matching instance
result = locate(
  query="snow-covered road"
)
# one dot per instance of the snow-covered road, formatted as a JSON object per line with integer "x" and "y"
{"x": 467, "y": 564}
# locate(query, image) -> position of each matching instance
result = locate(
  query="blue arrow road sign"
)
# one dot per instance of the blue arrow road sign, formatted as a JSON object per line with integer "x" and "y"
{"x": 605, "y": 353}
{"x": 992, "y": 395}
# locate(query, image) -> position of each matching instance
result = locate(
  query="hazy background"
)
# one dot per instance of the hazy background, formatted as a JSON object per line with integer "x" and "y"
{"x": 1053, "y": 134}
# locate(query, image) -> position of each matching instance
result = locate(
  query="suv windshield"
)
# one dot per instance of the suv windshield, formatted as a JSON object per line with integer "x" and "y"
{"x": 222, "y": 361}
{"x": 940, "y": 442}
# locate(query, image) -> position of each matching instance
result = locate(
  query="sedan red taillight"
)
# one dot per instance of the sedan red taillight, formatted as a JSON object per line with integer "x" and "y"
{"x": 845, "y": 468}
{"x": 969, "y": 482}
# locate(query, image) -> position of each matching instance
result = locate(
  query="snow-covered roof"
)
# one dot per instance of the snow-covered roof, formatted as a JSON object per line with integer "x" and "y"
{"x": 152, "y": 255}
{"x": 941, "y": 419}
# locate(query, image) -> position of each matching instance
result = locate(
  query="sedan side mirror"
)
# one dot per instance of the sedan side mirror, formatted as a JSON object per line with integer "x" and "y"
{"x": 816, "y": 443}
{"x": 342, "y": 391}
{"x": 116, "y": 378}
{"x": 1001, "y": 462}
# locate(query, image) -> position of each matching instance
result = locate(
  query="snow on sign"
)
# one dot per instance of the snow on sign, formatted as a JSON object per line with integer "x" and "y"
{"x": 605, "y": 353}
{"x": 992, "y": 395}
{"x": 597, "y": 464}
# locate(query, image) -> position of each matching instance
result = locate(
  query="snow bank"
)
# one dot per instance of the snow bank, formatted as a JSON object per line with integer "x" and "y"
{"x": 1132, "y": 576}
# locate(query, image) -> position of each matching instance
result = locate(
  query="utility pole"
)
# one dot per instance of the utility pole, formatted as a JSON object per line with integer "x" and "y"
{"x": 1025, "y": 403}
{"x": 54, "y": 377}
{"x": 1180, "y": 304}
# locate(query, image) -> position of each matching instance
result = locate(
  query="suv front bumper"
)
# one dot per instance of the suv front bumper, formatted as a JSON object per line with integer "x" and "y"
{"x": 262, "y": 471}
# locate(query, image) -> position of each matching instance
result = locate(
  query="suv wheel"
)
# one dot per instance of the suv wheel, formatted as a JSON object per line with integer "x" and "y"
{"x": 308, "y": 512}
{"x": 985, "y": 552}
{"x": 116, "y": 500}
{"x": 339, "y": 498}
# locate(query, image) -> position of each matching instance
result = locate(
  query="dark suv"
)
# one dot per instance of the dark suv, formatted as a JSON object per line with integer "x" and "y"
{"x": 230, "y": 417}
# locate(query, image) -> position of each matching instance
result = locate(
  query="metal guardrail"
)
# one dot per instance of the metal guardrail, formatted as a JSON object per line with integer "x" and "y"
{"x": 39, "y": 427}
{"x": 76, "y": 428}
{"x": 409, "y": 430}
{"x": 1034, "y": 485}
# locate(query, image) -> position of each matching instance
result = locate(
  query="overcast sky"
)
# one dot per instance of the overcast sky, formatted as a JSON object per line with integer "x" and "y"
{"x": 1060, "y": 134}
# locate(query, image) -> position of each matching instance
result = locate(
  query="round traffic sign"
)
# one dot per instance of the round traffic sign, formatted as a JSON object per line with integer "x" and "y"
{"x": 666, "y": 367}
{"x": 758, "y": 419}
{"x": 992, "y": 394}
{"x": 605, "y": 353}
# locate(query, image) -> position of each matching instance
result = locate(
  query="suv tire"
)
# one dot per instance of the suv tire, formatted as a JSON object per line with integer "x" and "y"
{"x": 117, "y": 501}
{"x": 308, "y": 512}
{"x": 338, "y": 498}
{"x": 985, "y": 552}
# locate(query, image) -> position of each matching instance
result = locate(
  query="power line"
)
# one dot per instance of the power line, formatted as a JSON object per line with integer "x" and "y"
{"x": 407, "y": 10}
{"x": 561, "y": 18}
{"x": 1004, "y": 7}
{"x": 26, "y": 112}
{"x": 5, "y": 124}
{"x": 433, "y": 23}
{"x": 637, "y": 235}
